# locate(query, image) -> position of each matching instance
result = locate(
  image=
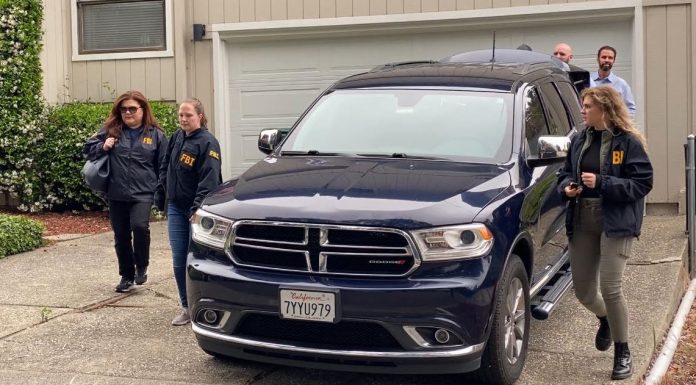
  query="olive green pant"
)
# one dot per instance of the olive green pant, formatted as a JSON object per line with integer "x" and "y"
{"x": 598, "y": 264}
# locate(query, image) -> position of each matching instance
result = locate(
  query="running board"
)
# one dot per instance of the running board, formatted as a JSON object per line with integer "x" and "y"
{"x": 552, "y": 294}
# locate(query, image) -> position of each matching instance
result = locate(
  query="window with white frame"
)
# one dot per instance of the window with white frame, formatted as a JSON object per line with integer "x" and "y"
{"x": 113, "y": 29}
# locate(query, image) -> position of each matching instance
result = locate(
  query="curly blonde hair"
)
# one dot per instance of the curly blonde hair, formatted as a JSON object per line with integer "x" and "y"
{"x": 614, "y": 111}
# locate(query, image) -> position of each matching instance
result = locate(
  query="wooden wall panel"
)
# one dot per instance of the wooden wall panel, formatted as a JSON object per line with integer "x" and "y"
{"x": 678, "y": 76}
{"x": 93, "y": 73}
{"x": 656, "y": 98}
{"x": 295, "y": 9}
{"x": 123, "y": 76}
{"x": 138, "y": 76}
{"x": 231, "y": 11}
{"x": 168, "y": 80}
{"x": 152, "y": 79}
{"x": 378, "y": 7}
{"x": 56, "y": 54}
{"x": 327, "y": 8}
{"x": 447, "y": 5}
{"x": 247, "y": 11}
{"x": 311, "y": 9}
{"x": 501, "y": 4}
{"x": 412, "y": 6}
{"x": 429, "y": 5}
{"x": 344, "y": 8}
{"x": 279, "y": 9}
{"x": 519, "y": 3}
{"x": 109, "y": 90}
{"x": 262, "y": 10}
{"x": 465, "y": 4}
{"x": 395, "y": 6}
{"x": 361, "y": 7}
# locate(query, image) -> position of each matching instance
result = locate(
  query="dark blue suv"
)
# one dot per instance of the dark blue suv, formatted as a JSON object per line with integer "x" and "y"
{"x": 407, "y": 223}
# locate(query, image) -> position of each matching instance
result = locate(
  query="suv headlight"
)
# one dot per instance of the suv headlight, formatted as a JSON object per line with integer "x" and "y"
{"x": 454, "y": 242}
{"x": 209, "y": 229}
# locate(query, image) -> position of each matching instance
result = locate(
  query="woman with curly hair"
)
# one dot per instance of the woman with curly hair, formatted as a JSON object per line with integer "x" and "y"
{"x": 606, "y": 177}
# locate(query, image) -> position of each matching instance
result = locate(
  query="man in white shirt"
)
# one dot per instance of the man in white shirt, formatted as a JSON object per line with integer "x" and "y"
{"x": 606, "y": 56}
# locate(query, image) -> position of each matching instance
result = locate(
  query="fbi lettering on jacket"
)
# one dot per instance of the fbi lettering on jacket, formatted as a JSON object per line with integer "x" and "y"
{"x": 187, "y": 159}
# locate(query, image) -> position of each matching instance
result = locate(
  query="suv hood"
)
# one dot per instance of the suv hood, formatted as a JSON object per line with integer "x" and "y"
{"x": 401, "y": 193}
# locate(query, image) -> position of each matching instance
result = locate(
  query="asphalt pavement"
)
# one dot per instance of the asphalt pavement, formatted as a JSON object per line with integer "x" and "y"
{"x": 62, "y": 323}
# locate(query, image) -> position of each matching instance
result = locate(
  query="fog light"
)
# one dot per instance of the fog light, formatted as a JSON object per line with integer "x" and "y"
{"x": 210, "y": 316}
{"x": 442, "y": 336}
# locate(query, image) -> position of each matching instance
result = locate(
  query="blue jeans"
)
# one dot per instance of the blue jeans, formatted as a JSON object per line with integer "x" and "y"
{"x": 179, "y": 237}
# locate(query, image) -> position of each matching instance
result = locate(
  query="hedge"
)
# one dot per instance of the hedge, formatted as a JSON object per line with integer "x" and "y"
{"x": 59, "y": 185}
{"x": 21, "y": 103}
{"x": 18, "y": 234}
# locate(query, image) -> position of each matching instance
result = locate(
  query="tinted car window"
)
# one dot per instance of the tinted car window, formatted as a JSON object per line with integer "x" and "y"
{"x": 569, "y": 94}
{"x": 557, "y": 115}
{"x": 534, "y": 121}
{"x": 457, "y": 125}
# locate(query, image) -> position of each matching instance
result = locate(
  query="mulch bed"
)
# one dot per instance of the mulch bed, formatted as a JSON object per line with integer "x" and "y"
{"x": 84, "y": 222}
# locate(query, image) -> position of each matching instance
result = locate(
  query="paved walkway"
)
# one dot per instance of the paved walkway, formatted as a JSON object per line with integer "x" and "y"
{"x": 61, "y": 323}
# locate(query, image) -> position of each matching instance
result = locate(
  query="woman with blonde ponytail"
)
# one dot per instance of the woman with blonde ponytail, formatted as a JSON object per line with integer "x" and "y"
{"x": 605, "y": 179}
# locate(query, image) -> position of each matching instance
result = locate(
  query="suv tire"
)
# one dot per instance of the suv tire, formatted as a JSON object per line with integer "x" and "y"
{"x": 506, "y": 350}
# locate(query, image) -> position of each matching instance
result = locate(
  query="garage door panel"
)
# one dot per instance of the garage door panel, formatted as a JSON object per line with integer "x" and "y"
{"x": 362, "y": 52}
{"x": 262, "y": 58}
{"x": 271, "y": 83}
{"x": 276, "y": 103}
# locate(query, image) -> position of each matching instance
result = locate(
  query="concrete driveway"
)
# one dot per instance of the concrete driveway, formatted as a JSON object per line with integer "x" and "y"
{"x": 62, "y": 323}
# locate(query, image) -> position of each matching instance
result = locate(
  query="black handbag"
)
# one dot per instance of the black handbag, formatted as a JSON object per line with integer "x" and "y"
{"x": 96, "y": 174}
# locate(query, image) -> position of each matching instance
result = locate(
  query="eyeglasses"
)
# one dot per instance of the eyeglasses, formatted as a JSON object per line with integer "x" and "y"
{"x": 130, "y": 110}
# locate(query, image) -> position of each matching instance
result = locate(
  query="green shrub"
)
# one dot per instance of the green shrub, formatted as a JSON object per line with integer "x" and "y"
{"x": 18, "y": 234}
{"x": 21, "y": 103}
{"x": 59, "y": 160}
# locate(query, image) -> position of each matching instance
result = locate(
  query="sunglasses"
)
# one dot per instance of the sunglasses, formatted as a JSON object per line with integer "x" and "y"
{"x": 130, "y": 110}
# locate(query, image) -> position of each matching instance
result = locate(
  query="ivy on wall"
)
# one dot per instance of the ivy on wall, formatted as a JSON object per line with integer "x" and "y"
{"x": 21, "y": 104}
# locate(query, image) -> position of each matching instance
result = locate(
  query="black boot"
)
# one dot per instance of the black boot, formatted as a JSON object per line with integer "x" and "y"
{"x": 602, "y": 340}
{"x": 623, "y": 365}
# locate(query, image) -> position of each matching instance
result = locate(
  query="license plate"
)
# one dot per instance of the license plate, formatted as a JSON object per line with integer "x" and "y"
{"x": 308, "y": 305}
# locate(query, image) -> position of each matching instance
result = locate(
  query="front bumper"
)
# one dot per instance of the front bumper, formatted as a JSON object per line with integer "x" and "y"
{"x": 382, "y": 325}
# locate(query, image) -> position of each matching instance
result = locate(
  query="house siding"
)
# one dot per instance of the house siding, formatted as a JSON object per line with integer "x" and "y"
{"x": 669, "y": 94}
{"x": 667, "y": 43}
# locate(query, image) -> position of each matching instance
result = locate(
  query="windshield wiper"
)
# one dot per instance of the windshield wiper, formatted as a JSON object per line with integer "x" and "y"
{"x": 400, "y": 155}
{"x": 312, "y": 152}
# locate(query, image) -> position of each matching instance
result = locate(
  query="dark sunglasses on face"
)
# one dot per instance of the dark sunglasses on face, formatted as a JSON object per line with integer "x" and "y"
{"x": 130, "y": 110}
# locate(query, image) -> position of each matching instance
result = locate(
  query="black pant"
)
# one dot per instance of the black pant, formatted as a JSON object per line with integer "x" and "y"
{"x": 127, "y": 218}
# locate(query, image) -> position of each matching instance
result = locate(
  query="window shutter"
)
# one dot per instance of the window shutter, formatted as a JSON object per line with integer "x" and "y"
{"x": 122, "y": 26}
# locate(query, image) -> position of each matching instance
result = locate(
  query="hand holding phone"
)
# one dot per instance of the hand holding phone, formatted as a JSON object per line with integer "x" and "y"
{"x": 572, "y": 190}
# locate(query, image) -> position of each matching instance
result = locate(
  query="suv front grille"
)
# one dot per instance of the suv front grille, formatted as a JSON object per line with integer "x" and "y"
{"x": 342, "y": 335}
{"x": 323, "y": 249}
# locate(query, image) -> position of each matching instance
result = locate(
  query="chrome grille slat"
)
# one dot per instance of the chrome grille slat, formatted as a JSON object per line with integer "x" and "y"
{"x": 356, "y": 250}
{"x": 366, "y": 254}
{"x": 272, "y": 241}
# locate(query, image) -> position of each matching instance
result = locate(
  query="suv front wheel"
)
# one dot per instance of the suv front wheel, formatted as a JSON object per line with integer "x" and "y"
{"x": 506, "y": 350}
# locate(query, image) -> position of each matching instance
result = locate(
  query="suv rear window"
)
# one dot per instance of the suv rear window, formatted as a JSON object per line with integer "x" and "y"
{"x": 451, "y": 124}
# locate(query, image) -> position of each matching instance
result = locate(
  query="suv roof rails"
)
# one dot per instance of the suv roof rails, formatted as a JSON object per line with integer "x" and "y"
{"x": 403, "y": 63}
{"x": 517, "y": 56}
{"x": 578, "y": 76}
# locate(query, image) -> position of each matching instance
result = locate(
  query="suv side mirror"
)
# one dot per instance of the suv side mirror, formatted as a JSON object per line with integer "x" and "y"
{"x": 552, "y": 149}
{"x": 271, "y": 138}
{"x": 268, "y": 140}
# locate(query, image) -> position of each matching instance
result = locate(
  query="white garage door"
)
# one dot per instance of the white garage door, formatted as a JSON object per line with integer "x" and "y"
{"x": 270, "y": 83}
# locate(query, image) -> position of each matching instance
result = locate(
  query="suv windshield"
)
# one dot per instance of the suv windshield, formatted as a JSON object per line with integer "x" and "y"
{"x": 451, "y": 124}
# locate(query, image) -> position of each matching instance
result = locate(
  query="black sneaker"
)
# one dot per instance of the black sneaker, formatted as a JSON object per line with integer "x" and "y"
{"x": 124, "y": 286}
{"x": 140, "y": 275}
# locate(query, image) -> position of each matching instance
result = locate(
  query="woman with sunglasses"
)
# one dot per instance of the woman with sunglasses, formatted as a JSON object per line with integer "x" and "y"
{"x": 136, "y": 146}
